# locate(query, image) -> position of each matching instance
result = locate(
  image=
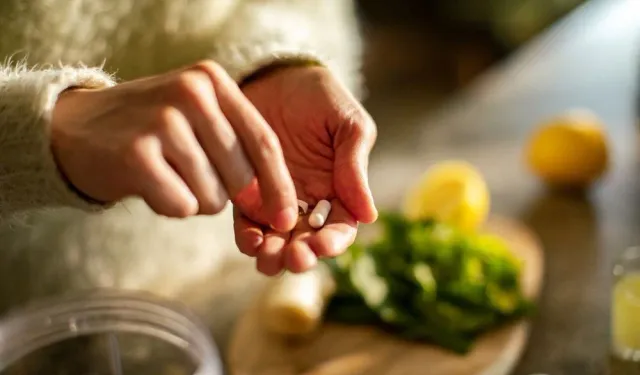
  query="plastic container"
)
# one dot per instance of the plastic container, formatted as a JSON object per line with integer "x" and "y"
{"x": 106, "y": 332}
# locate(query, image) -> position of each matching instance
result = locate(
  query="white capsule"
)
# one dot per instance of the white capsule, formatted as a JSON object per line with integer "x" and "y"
{"x": 319, "y": 214}
{"x": 304, "y": 207}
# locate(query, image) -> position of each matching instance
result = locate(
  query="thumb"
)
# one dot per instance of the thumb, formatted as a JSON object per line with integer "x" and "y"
{"x": 353, "y": 144}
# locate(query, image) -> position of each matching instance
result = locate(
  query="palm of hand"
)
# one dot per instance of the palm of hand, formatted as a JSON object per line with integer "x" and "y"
{"x": 308, "y": 150}
{"x": 314, "y": 132}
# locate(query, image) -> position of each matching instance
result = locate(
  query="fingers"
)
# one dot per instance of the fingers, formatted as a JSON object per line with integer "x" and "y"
{"x": 298, "y": 255}
{"x": 162, "y": 188}
{"x": 262, "y": 147}
{"x": 331, "y": 240}
{"x": 270, "y": 256}
{"x": 300, "y": 250}
{"x": 266, "y": 247}
{"x": 183, "y": 152}
{"x": 338, "y": 233}
{"x": 353, "y": 143}
{"x": 300, "y": 258}
{"x": 248, "y": 235}
{"x": 214, "y": 132}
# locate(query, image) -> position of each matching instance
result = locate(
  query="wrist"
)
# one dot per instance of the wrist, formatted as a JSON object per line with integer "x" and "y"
{"x": 63, "y": 114}
{"x": 63, "y": 111}
{"x": 279, "y": 66}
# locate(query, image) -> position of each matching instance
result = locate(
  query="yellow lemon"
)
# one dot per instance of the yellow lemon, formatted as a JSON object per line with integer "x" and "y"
{"x": 452, "y": 191}
{"x": 570, "y": 150}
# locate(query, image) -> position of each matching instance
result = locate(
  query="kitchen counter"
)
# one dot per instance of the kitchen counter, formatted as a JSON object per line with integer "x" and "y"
{"x": 587, "y": 60}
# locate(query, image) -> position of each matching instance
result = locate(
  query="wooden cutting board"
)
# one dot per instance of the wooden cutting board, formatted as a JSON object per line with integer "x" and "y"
{"x": 348, "y": 350}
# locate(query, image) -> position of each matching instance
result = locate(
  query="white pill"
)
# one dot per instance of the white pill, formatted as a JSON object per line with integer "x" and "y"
{"x": 304, "y": 206}
{"x": 319, "y": 214}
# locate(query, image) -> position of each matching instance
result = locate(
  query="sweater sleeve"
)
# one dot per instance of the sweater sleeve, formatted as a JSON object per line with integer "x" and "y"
{"x": 29, "y": 177}
{"x": 261, "y": 33}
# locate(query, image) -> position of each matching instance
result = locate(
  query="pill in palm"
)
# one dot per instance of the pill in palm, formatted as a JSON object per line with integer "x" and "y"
{"x": 303, "y": 207}
{"x": 319, "y": 214}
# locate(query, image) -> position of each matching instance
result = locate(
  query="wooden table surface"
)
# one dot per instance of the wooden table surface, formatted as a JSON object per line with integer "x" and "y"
{"x": 588, "y": 60}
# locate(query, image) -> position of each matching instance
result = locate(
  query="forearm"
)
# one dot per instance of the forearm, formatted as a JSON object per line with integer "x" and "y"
{"x": 262, "y": 33}
{"x": 29, "y": 177}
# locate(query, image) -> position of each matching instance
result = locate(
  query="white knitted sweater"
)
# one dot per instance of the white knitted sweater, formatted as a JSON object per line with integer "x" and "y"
{"x": 49, "y": 243}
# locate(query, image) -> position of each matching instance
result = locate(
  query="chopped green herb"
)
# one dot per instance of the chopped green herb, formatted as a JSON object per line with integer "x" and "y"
{"x": 428, "y": 281}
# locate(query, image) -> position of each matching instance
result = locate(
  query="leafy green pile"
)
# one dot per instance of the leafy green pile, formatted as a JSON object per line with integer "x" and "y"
{"x": 427, "y": 281}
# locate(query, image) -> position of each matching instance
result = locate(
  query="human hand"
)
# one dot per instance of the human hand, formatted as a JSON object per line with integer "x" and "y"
{"x": 184, "y": 141}
{"x": 326, "y": 137}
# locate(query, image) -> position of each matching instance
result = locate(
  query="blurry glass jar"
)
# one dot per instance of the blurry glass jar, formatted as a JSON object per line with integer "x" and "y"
{"x": 106, "y": 332}
{"x": 625, "y": 308}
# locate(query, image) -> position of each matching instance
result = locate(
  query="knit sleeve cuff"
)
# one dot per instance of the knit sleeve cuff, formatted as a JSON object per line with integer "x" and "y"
{"x": 241, "y": 61}
{"x": 261, "y": 34}
{"x": 29, "y": 176}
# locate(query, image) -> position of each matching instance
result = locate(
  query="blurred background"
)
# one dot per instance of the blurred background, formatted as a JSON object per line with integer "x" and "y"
{"x": 479, "y": 80}
{"x": 427, "y": 49}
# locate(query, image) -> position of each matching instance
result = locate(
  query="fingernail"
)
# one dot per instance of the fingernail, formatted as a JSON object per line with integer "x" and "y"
{"x": 301, "y": 258}
{"x": 256, "y": 240}
{"x": 250, "y": 243}
{"x": 310, "y": 259}
{"x": 286, "y": 218}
